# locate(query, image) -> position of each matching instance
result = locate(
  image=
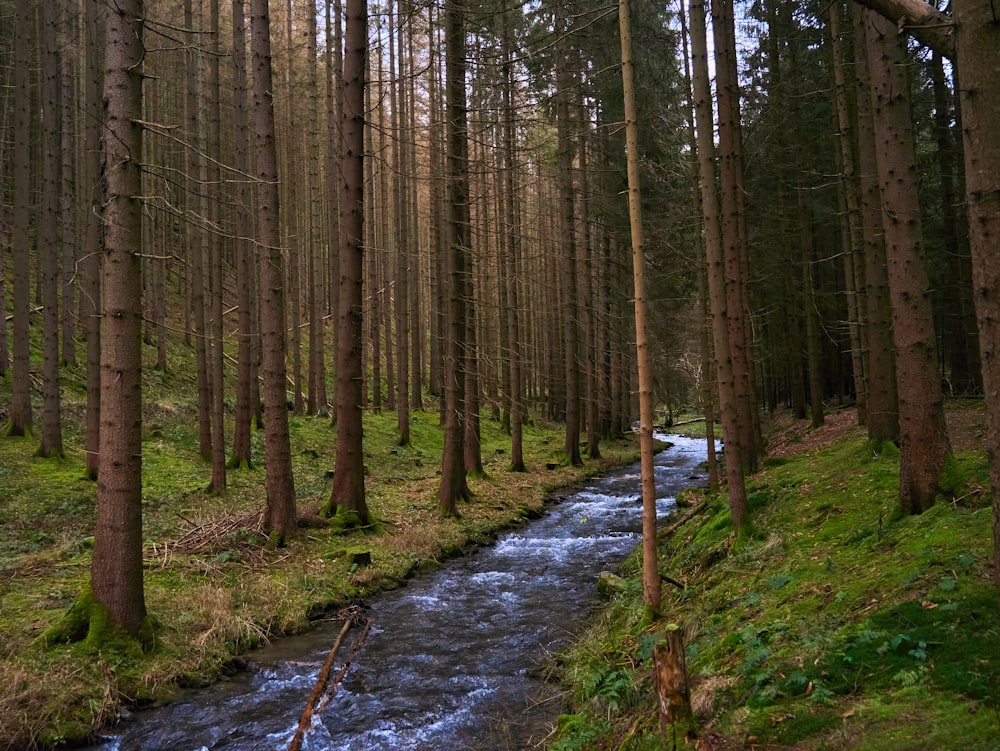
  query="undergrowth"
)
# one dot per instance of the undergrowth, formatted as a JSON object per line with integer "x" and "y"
{"x": 839, "y": 624}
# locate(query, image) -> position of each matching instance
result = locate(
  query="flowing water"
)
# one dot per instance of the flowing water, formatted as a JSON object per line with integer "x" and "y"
{"x": 453, "y": 660}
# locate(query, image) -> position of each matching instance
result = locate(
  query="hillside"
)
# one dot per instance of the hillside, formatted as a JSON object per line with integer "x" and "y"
{"x": 840, "y": 625}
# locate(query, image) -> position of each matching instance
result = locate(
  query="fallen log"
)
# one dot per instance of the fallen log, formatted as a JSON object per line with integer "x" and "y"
{"x": 306, "y": 720}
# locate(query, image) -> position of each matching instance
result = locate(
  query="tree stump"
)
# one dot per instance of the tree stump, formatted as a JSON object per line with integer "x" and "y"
{"x": 673, "y": 697}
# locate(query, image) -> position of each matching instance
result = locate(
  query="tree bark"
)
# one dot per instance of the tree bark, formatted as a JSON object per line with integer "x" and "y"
{"x": 349, "y": 477}
{"x": 46, "y": 232}
{"x": 279, "y": 518}
{"x": 19, "y": 417}
{"x": 650, "y": 569}
{"x": 979, "y": 65}
{"x": 454, "y": 486}
{"x": 242, "y": 250}
{"x": 716, "y": 272}
{"x": 880, "y": 367}
{"x": 90, "y": 291}
{"x": 924, "y": 445}
{"x": 116, "y": 566}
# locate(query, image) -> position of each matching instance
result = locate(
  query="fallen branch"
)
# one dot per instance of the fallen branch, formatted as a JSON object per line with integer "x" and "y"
{"x": 324, "y": 673}
{"x": 694, "y": 510}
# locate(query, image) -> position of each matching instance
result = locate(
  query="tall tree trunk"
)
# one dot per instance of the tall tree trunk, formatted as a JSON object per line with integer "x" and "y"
{"x": 880, "y": 368}
{"x": 334, "y": 116}
{"x": 46, "y": 231}
{"x": 852, "y": 237}
{"x": 650, "y": 569}
{"x": 116, "y": 566}
{"x": 215, "y": 256}
{"x": 279, "y": 519}
{"x": 733, "y": 228}
{"x": 242, "y": 250}
{"x": 90, "y": 266}
{"x": 511, "y": 245}
{"x": 69, "y": 44}
{"x": 924, "y": 438}
{"x": 195, "y": 231}
{"x": 453, "y": 482}
{"x": 718, "y": 299}
{"x": 962, "y": 339}
{"x": 568, "y": 237}
{"x": 349, "y": 477}
{"x": 401, "y": 226}
{"x": 317, "y": 398}
{"x": 979, "y": 64}
{"x": 19, "y": 417}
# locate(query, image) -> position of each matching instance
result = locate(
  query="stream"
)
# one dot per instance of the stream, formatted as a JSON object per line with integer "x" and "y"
{"x": 454, "y": 659}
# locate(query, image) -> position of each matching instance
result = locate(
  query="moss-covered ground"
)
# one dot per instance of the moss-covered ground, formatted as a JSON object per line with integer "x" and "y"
{"x": 214, "y": 588}
{"x": 840, "y": 624}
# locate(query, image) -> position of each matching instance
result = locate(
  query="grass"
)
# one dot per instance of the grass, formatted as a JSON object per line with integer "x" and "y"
{"x": 840, "y": 624}
{"x": 214, "y": 587}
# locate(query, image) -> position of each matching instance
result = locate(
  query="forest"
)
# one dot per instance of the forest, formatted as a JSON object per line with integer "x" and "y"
{"x": 397, "y": 271}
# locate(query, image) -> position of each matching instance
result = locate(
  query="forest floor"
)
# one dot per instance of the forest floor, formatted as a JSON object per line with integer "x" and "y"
{"x": 840, "y": 623}
{"x": 214, "y": 587}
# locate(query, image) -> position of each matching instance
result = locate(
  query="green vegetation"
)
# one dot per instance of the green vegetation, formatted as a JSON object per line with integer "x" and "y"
{"x": 839, "y": 624}
{"x": 214, "y": 585}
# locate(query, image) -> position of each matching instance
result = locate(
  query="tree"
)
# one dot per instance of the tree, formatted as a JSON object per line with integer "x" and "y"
{"x": 924, "y": 448}
{"x": 116, "y": 567}
{"x": 978, "y": 58}
{"x": 976, "y": 49}
{"x": 279, "y": 518}
{"x": 718, "y": 300}
{"x": 568, "y": 235}
{"x": 46, "y": 231}
{"x": 650, "y": 569}
{"x": 19, "y": 418}
{"x": 454, "y": 486}
{"x": 880, "y": 364}
{"x": 349, "y": 476}
{"x": 242, "y": 230}
{"x": 216, "y": 197}
{"x": 90, "y": 263}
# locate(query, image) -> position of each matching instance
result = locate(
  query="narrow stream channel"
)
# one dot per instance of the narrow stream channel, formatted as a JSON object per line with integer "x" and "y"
{"x": 452, "y": 660}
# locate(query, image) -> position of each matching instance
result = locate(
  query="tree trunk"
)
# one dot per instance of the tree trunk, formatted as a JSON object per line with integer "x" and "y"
{"x": 924, "y": 445}
{"x": 852, "y": 237}
{"x": 19, "y": 417}
{"x": 90, "y": 291}
{"x": 46, "y": 231}
{"x": 880, "y": 368}
{"x": 567, "y": 241}
{"x": 279, "y": 519}
{"x": 716, "y": 272}
{"x": 402, "y": 240}
{"x": 116, "y": 566}
{"x": 453, "y": 482}
{"x": 650, "y": 569}
{"x": 69, "y": 207}
{"x": 733, "y": 229}
{"x": 961, "y": 327}
{"x": 511, "y": 245}
{"x": 348, "y": 491}
{"x": 979, "y": 64}
{"x": 215, "y": 257}
{"x": 316, "y": 293}
{"x": 242, "y": 251}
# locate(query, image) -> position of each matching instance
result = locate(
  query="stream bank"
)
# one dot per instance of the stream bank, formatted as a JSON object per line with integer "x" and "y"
{"x": 453, "y": 659}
